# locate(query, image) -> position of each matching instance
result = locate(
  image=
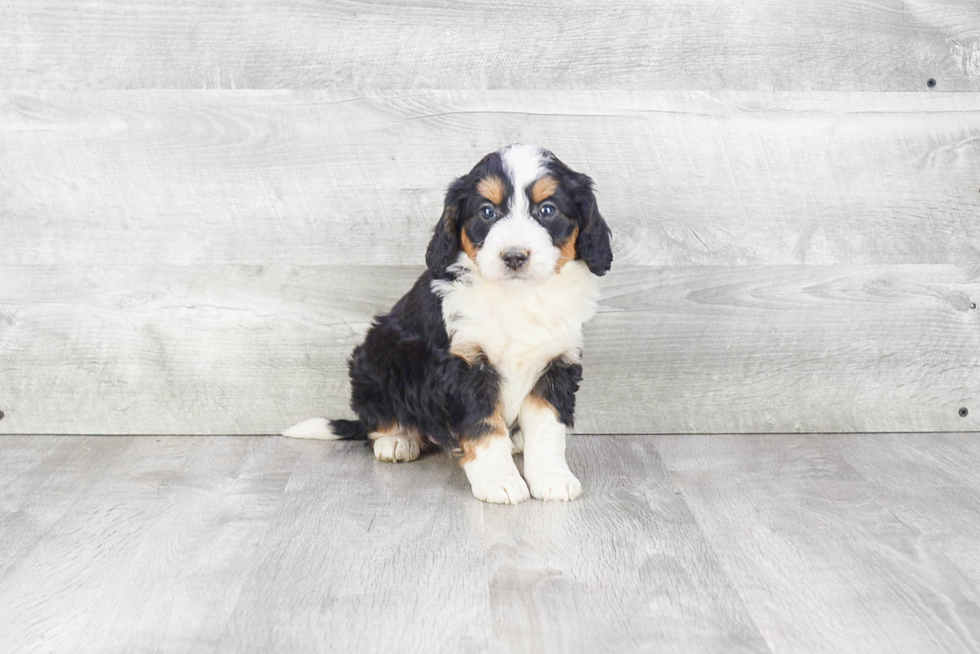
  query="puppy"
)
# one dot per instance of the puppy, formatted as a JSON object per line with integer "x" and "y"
{"x": 483, "y": 356}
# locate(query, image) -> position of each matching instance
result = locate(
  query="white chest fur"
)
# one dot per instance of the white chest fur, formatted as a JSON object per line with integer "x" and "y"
{"x": 519, "y": 327}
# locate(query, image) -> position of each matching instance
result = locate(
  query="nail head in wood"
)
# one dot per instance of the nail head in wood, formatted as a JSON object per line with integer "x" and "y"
{"x": 931, "y": 83}
{"x": 973, "y": 305}
{"x": 964, "y": 412}
{"x": 1, "y": 415}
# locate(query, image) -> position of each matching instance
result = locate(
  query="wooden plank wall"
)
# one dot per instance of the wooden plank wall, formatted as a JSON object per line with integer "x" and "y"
{"x": 202, "y": 207}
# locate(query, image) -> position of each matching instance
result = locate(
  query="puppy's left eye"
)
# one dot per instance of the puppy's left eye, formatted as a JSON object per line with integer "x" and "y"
{"x": 488, "y": 213}
{"x": 547, "y": 210}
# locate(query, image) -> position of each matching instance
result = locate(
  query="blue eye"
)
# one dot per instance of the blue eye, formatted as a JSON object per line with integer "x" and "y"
{"x": 547, "y": 210}
{"x": 488, "y": 213}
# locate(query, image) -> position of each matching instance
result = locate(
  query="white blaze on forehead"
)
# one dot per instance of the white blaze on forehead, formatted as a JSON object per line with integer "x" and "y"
{"x": 524, "y": 164}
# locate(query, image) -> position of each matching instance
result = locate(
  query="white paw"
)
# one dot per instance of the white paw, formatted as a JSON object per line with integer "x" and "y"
{"x": 505, "y": 490}
{"x": 554, "y": 485}
{"x": 395, "y": 448}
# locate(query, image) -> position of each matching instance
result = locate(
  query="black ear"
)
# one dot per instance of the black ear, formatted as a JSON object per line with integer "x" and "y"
{"x": 593, "y": 243}
{"x": 444, "y": 247}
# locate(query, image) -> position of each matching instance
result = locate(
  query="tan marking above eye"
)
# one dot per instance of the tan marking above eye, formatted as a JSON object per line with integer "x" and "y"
{"x": 543, "y": 189}
{"x": 492, "y": 188}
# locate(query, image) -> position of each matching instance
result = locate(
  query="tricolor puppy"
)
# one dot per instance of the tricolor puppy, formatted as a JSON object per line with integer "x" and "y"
{"x": 483, "y": 355}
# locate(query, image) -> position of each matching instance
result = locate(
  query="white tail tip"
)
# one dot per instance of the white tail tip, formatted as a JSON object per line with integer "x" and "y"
{"x": 318, "y": 428}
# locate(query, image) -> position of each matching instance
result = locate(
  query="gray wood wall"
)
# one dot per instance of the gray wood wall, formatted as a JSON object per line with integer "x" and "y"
{"x": 201, "y": 208}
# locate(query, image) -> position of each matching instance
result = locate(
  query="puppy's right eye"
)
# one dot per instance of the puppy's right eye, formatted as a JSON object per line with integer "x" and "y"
{"x": 487, "y": 212}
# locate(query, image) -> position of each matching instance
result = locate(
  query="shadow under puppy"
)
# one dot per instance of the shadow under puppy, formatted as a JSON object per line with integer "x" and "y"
{"x": 488, "y": 343}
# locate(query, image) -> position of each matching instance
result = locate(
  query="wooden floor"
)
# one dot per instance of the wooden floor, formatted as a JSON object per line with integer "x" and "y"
{"x": 753, "y": 543}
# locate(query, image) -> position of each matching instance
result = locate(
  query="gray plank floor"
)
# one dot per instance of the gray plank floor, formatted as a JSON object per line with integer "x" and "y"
{"x": 749, "y": 543}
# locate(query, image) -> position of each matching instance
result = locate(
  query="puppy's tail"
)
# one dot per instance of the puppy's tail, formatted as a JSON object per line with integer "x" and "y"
{"x": 328, "y": 430}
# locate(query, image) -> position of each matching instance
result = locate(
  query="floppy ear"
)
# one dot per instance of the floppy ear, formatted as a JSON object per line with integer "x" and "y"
{"x": 444, "y": 247}
{"x": 593, "y": 243}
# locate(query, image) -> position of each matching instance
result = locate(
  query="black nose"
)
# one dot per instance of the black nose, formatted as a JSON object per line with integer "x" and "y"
{"x": 514, "y": 258}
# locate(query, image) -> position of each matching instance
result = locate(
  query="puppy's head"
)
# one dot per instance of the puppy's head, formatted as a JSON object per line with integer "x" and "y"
{"x": 520, "y": 214}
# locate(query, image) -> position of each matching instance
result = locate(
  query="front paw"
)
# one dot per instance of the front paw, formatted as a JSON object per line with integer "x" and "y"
{"x": 553, "y": 485}
{"x": 505, "y": 490}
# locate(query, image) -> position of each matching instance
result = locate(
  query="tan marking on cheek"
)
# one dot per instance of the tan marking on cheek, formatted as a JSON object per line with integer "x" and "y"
{"x": 492, "y": 188}
{"x": 468, "y": 246}
{"x": 543, "y": 189}
{"x": 496, "y": 428}
{"x": 567, "y": 251}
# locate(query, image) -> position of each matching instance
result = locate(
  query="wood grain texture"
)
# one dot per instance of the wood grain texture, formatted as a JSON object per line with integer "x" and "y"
{"x": 943, "y": 522}
{"x": 784, "y": 349}
{"x": 750, "y": 45}
{"x": 41, "y": 480}
{"x": 791, "y": 544}
{"x": 625, "y": 570}
{"x": 820, "y": 556}
{"x": 253, "y": 349}
{"x": 178, "y": 177}
{"x": 368, "y": 556}
{"x": 153, "y": 553}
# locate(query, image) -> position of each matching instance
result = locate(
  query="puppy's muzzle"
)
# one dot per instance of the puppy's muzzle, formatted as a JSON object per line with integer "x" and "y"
{"x": 514, "y": 258}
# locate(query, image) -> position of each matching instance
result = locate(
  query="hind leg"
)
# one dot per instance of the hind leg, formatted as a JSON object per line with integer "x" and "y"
{"x": 391, "y": 390}
{"x": 397, "y": 444}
